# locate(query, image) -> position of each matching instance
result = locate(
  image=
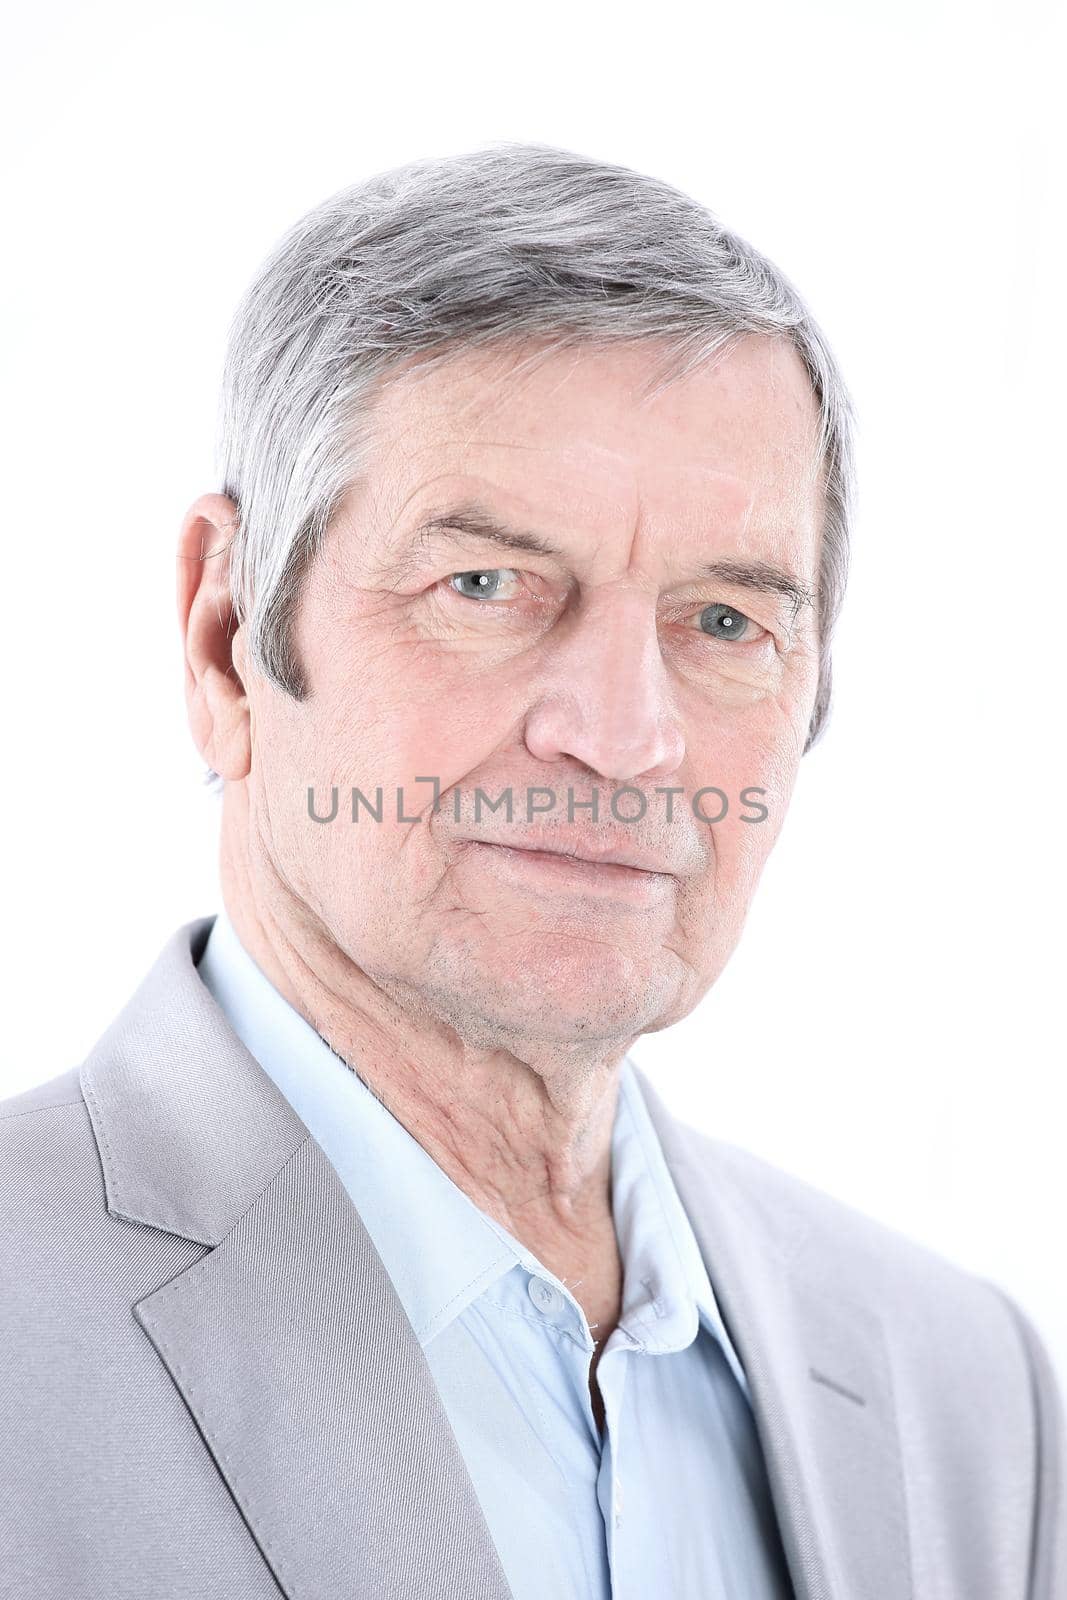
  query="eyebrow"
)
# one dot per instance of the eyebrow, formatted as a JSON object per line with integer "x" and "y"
{"x": 764, "y": 577}
{"x": 474, "y": 521}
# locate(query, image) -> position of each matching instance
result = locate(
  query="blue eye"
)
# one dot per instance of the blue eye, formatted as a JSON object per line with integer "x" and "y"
{"x": 725, "y": 622}
{"x": 483, "y": 585}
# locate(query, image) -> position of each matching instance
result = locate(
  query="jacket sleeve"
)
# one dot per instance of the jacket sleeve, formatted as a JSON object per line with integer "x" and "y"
{"x": 1048, "y": 1555}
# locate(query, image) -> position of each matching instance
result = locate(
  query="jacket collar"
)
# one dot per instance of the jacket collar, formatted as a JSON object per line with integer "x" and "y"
{"x": 190, "y": 1128}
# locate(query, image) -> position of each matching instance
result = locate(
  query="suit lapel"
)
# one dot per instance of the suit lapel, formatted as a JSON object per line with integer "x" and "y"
{"x": 286, "y": 1337}
{"x": 296, "y": 1359}
{"x": 818, "y": 1372}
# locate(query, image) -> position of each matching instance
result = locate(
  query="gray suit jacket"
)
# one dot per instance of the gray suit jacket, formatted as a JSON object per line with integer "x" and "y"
{"x": 209, "y": 1388}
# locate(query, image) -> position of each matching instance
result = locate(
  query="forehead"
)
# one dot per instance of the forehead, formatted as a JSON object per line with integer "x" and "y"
{"x": 573, "y": 436}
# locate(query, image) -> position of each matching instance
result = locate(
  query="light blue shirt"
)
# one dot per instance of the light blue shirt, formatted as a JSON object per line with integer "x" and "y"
{"x": 672, "y": 1501}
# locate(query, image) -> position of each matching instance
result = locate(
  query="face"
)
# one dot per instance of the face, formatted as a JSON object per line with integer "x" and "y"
{"x": 648, "y": 628}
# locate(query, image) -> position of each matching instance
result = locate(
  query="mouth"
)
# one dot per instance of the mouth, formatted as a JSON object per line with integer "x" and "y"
{"x": 553, "y": 868}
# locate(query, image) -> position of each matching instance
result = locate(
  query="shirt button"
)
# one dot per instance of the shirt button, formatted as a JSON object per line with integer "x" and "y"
{"x": 545, "y": 1296}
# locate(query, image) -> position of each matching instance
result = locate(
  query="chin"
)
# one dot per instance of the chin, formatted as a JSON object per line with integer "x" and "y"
{"x": 593, "y": 995}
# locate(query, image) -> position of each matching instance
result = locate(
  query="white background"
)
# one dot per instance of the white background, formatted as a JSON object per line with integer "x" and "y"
{"x": 890, "y": 1028}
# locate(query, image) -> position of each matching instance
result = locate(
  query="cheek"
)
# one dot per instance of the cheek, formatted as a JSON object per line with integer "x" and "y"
{"x": 379, "y": 736}
{"x": 444, "y": 725}
{"x": 754, "y": 762}
{"x": 417, "y": 725}
{"x": 759, "y": 748}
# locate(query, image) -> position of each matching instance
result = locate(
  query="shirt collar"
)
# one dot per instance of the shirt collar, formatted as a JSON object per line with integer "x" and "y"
{"x": 440, "y": 1249}
{"x": 667, "y": 1279}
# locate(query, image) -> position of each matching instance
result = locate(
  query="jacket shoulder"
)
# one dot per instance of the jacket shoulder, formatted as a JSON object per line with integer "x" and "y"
{"x": 825, "y": 1234}
{"x": 63, "y": 1090}
{"x": 50, "y": 1172}
{"x": 971, "y": 1374}
{"x": 46, "y": 1142}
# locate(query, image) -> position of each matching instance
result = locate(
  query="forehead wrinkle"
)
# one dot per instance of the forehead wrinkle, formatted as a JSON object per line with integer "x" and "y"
{"x": 563, "y": 493}
{"x": 723, "y": 499}
{"x": 481, "y": 384}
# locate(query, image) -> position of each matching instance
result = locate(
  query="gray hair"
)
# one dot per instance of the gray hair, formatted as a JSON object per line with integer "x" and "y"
{"x": 512, "y": 241}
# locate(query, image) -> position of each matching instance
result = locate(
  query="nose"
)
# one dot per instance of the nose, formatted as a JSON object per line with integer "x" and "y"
{"x": 605, "y": 699}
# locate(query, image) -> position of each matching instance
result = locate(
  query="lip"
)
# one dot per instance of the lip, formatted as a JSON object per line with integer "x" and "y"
{"x": 554, "y": 869}
{"x": 612, "y": 852}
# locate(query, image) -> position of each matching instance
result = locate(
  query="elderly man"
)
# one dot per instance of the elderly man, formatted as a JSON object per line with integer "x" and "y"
{"x": 359, "y": 1258}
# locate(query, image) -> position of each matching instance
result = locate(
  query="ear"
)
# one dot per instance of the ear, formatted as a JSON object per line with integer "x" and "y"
{"x": 215, "y": 695}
